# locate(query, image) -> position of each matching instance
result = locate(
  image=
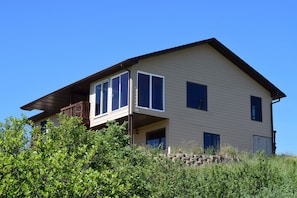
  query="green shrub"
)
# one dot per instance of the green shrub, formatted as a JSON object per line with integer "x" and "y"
{"x": 71, "y": 161}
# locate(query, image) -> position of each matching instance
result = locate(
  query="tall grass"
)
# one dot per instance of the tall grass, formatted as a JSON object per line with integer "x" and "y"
{"x": 254, "y": 176}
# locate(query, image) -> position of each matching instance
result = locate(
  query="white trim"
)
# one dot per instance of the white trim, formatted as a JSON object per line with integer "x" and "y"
{"x": 109, "y": 95}
{"x": 150, "y": 91}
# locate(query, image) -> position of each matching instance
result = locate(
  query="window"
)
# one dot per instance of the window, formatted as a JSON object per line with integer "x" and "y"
{"x": 101, "y": 91}
{"x": 120, "y": 91}
{"x": 211, "y": 141}
{"x": 256, "y": 108}
{"x": 151, "y": 91}
{"x": 43, "y": 126}
{"x": 196, "y": 96}
{"x": 156, "y": 138}
{"x": 143, "y": 90}
{"x": 262, "y": 143}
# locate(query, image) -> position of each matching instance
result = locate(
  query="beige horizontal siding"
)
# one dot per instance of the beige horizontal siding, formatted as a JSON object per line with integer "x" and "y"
{"x": 229, "y": 90}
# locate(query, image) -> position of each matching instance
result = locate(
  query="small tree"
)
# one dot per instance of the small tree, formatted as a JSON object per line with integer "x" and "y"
{"x": 69, "y": 160}
{"x": 65, "y": 161}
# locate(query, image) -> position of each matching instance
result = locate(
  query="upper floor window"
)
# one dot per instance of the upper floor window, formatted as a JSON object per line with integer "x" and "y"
{"x": 101, "y": 91}
{"x": 150, "y": 91}
{"x": 256, "y": 108}
{"x": 120, "y": 91}
{"x": 196, "y": 96}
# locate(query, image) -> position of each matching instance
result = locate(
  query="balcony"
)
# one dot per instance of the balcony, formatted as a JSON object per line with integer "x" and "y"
{"x": 80, "y": 109}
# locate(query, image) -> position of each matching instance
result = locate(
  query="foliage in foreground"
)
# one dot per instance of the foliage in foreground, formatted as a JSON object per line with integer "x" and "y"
{"x": 71, "y": 161}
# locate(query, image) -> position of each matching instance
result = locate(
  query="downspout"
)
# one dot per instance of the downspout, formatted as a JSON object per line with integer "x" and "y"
{"x": 130, "y": 118}
{"x": 273, "y": 132}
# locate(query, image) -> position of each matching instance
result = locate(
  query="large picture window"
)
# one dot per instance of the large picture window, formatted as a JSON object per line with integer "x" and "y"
{"x": 256, "y": 108}
{"x": 196, "y": 96}
{"x": 101, "y": 91}
{"x": 151, "y": 91}
{"x": 120, "y": 91}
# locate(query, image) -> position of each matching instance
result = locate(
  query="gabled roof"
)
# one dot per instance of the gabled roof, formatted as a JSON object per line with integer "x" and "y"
{"x": 52, "y": 102}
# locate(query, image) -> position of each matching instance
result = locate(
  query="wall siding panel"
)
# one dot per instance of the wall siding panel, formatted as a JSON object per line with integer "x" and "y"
{"x": 228, "y": 88}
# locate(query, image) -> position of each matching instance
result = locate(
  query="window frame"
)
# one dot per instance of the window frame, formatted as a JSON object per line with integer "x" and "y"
{"x": 119, "y": 91}
{"x": 256, "y": 108}
{"x": 150, "y": 106}
{"x": 202, "y": 108}
{"x": 101, "y": 113}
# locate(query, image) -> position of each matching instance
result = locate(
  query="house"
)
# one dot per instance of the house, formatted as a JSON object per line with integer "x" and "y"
{"x": 199, "y": 94}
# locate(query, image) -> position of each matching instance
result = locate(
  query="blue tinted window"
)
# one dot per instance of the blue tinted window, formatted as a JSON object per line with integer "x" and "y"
{"x": 153, "y": 142}
{"x": 211, "y": 141}
{"x": 156, "y": 138}
{"x": 120, "y": 91}
{"x": 124, "y": 89}
{"x": 157, "y": 93}
{"x": 256, "y": 108}
{"x": 115, "y": 93}
{"x": 43, "y": 126}
{"x": 98, "y": 100}
{"x": 150, "y": 91}
{"x": 101, "y": 98}
{"x": 105, "y": 97}
{"x": 196, "y": 96}
{"x": 143, "y": 90}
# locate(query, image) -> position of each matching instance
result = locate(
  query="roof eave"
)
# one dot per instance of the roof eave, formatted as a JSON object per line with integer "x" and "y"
{"x": 108, "y": 71}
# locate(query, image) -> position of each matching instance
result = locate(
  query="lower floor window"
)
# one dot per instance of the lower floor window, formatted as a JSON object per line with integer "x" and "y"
{"x": 262, "y": 144}
{"x": 43, "y": 126}
{"x": 156, "y": 138}
{"x": 211, "y": 142}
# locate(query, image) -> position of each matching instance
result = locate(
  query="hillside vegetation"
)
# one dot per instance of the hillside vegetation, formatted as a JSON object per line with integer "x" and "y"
{"x": 70, "y": 161}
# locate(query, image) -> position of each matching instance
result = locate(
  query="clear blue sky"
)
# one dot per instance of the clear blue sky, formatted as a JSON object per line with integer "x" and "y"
{"x": 45, "y": 45}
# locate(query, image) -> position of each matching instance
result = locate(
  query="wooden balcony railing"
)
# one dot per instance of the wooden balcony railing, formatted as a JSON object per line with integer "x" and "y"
{"x": 80, "y": 109}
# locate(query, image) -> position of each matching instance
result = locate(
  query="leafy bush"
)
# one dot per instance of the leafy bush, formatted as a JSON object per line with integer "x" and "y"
{"x": 67, "y": 160}
{"x": 71, "y": 161}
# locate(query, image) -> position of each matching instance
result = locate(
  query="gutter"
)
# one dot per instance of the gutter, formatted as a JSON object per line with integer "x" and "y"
{"x": 273, "y": 132}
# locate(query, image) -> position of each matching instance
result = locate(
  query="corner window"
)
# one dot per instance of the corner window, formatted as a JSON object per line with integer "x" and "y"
{"x": 101, "y": 91}
{"x": 196, "y": 96}
{"x": 211, "y": 141}
{"x": 120, "y": 91}
{"x": 256, "y": 108}
{"x": 151, "y": 91}
{"x": 156, "y": 138}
